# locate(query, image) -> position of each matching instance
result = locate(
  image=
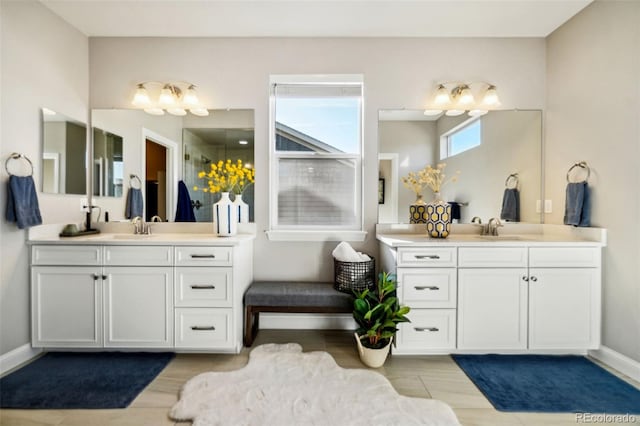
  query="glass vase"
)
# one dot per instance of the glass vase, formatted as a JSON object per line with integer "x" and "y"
{"x": 438, "y": 217}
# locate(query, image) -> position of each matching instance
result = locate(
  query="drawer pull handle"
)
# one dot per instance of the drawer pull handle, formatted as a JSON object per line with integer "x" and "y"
{"x": 95, "y": 277}
{"x": 203, "y": 287}
{"x": 534, "y": 279}
{"x": 203, "y": 256}
{"x": 426, "y": 287}
{"x": 203, "y": 328}
{"x": 525, "y": 278}
{"x": 427, "y": 256}
{"x": 104, "y": 277}
{"x": 426, "y": 329}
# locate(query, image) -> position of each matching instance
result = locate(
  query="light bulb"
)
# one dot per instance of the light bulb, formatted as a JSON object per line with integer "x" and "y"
{"x": 177, "y": 111}
{"x": 166, "y": 96}
{"x": 432, "y": 112}
{"x": 442, "y": 96}
{"x": 190, "y": 97}
{"x": 454, "y": 112}
{"x": 141, "y": 97}
{"x": 491, "y": 97}
{"x": 154, "y": 111}
{"x": 243, "y": 142}
{"x": 200, "y": 112}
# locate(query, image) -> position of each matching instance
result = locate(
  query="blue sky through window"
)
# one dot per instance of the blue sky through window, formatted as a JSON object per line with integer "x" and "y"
{"x": 334, "y": 121}
{"x": 466, "y": 138}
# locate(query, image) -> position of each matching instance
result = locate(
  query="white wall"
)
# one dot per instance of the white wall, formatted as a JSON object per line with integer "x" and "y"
{"x": 593, "y": 114}
{"x": 234, "y": 73}
{"x": 44, "y": 63}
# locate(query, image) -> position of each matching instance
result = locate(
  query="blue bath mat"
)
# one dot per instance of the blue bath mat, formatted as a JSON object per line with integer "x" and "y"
{"x": 60, "y": 380}
{"x": 549, "y": 384}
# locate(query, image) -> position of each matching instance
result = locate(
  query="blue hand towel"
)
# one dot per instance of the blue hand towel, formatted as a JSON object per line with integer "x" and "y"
{"x": 510, "y": 205}
{"x": 22, "y": 202}
{"x": 184, "y": 210}
{"x": 455, "y": 210}
{"x": 134, "y": 204}
{"x": 577, "y": 209}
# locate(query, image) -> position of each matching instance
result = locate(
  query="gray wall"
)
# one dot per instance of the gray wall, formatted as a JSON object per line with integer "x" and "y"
{"x": 44, "y": 63}
{"x": 593, "y": 114}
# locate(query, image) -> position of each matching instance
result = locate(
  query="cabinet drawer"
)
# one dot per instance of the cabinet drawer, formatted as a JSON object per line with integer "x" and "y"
{"x": 66, "y": 255}
{"x": 203, "y": 328}
{"x": 429, "y": 329}
{"x": 203, "y": 287}
{"x": 490, "y": 257}
{"x": 427, "y": 287}
{"x": 427, "y": 256}
{"x": 138, "y": 256}
{"x": 204, "y": 256}
{"x": 564, "y": 257}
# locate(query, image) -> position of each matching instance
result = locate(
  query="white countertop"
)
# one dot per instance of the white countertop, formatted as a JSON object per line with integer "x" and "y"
{"x": 184, "y": 234}
{"x": 510, "y": 236}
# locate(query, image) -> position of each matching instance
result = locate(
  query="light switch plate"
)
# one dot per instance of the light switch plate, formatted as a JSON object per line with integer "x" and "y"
{"x": 548, "y": 208}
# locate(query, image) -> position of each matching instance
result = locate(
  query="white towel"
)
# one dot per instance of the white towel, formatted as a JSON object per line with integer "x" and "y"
{"x": 345, "y": 253}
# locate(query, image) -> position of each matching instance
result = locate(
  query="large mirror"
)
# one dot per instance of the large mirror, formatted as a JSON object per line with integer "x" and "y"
{"x": 154, "y": 153}
{"x": 64, "y": 153}
{"x": 499, "y": 150}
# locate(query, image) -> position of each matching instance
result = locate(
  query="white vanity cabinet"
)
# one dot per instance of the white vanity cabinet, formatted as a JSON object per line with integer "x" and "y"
{"x": 472, "y": 297}
{"x": 536, "y": 298}
{"x": 140, "y": 296}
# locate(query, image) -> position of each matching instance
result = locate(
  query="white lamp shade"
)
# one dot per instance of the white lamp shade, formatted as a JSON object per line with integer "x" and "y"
{"x": 491, "y": 97}
{"x": 190, "y": 97}
{"x": 477, "y": 112}
{"x": 141, "y": 97}
{"x": 454, "y": 112}
{"x": 466, "y": 97}
{"x": 442, "y": 96}
{"x": 166, "y": 96}
{"x": 432, "y": 112}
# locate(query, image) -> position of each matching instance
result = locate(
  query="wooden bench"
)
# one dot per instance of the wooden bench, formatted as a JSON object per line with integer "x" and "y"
{"x": 290, "y": 297}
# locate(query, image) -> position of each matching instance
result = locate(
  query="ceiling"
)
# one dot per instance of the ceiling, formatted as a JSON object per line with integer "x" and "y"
{"x": 316, "y": 18}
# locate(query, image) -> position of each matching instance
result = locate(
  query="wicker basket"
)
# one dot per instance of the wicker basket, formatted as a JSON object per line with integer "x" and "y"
{"x": 350, "y": 276}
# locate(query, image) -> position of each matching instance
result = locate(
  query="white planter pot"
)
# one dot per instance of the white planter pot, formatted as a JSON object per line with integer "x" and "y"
{"x": 373, "y": 358}
{"x": 225, "y": 216}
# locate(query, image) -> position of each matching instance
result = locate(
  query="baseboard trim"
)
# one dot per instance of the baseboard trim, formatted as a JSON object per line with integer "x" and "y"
{"x": 616, "y": 360}
{"x": 18, "y": 356}
{"x": 307, "y": 321}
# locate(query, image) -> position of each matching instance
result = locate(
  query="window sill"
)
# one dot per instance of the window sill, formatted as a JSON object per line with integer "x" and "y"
{"x": 336, "y": 235}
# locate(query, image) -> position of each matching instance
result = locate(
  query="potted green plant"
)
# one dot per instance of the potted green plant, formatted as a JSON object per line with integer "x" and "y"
{"x": 377, "y": 313}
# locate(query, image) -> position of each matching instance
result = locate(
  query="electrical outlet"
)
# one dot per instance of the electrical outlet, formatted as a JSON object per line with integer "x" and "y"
{"x": 84, "y": 204}
{"x": 538, "y": 206}
{"x": 548, "y": 206}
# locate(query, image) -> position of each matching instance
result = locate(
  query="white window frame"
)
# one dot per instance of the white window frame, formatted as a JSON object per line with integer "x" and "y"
{"x": 278, "y": 232}
{"x": 445, "y": 139}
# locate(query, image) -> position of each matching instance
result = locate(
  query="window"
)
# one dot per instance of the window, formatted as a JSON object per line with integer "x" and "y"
{"x": 316, "y": 154}
{"x": 461, "y": 138}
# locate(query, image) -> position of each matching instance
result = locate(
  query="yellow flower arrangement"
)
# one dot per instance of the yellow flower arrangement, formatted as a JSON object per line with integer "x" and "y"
{"x": 226, "y": 176}
{"x": 432, "y": 177}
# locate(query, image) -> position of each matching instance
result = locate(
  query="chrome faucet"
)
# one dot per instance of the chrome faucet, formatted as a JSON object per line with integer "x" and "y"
{"x": 492, "y": 226}
{"x": 476, "y": 220}
{"x": 139, "y": 227}
{"x": 156, "y": 218}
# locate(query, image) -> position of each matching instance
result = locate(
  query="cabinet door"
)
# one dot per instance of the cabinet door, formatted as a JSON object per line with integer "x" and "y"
{"x": 564, "y": 308}
{"x": 138, "y": 307}
{"x": 66, "y": 306}
{"x": 492, "y": 308}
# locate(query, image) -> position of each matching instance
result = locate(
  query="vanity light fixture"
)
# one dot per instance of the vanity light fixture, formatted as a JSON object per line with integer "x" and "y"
{"x": 455, "y": 98}
{"x": 175, "y": 98}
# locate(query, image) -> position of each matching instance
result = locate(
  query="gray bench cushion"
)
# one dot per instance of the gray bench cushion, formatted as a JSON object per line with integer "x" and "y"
{"x": 278, "y": 293}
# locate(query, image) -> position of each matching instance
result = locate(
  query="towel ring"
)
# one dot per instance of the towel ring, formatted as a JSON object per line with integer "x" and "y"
{"x": 582, "y": 165}
{"x": 133, "y": 178}
{"x": 17, "y": 156}
{"x": 512, "y": 178}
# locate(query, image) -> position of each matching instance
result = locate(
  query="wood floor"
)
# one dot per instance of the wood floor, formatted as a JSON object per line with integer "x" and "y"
{"x": 426, "y": 377}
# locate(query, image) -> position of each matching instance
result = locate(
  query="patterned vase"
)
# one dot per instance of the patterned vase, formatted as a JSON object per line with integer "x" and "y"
{"x": 418, "y": 211}
{"x": 242, "y": 208}
{"x": 438, "y": 217}
{"x": 225, "y": 216}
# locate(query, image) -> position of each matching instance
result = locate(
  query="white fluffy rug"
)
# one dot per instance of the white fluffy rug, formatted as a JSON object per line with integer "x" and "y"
{"x": 283, "y": 386}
